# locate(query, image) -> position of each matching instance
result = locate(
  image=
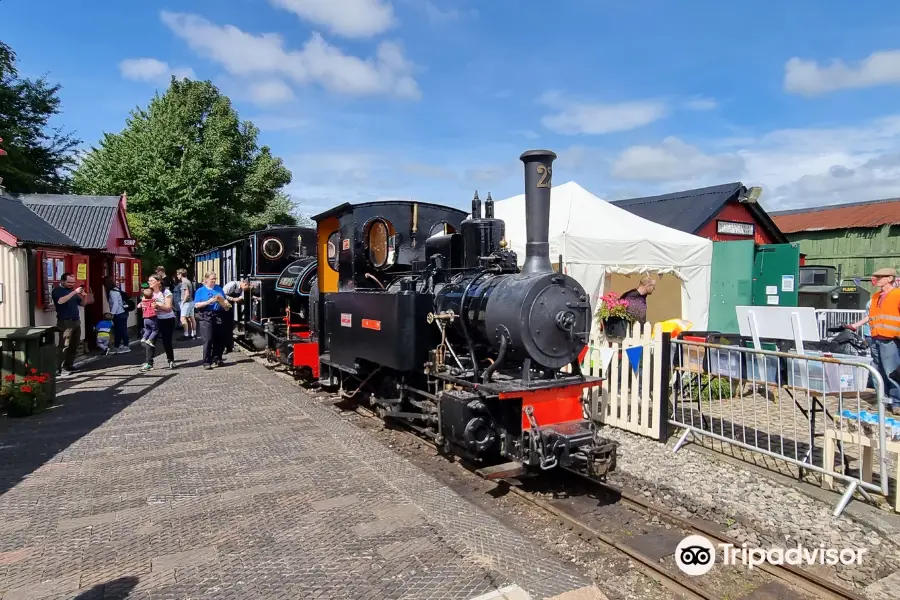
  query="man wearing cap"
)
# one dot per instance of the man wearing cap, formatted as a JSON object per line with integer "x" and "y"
{"x": 884, "y": 321}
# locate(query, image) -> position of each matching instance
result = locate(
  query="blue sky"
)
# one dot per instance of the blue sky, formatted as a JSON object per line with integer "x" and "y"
{"x": 432, "y": 99}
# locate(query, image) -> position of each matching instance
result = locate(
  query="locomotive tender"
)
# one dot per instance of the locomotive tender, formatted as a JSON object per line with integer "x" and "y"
{"x": 421, "y": 311}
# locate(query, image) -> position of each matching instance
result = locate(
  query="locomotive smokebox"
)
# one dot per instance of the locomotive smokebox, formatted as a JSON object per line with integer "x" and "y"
{"x": 538, "y": 176}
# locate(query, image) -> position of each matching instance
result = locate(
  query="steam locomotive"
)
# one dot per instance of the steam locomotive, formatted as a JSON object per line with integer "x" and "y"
{"x": 421, "y": 311}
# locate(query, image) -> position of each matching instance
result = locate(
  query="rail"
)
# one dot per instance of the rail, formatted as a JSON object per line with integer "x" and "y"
{"x": 802, "y": 409}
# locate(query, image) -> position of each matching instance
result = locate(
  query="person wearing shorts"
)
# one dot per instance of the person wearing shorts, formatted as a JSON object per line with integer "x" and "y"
{"x": 187, "y": 304}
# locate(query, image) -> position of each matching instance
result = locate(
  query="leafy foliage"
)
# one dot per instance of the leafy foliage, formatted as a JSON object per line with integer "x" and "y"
{"x": 39, "y": 157}
{"x": 193, "y": 171}
{"x": 21, "y": 397}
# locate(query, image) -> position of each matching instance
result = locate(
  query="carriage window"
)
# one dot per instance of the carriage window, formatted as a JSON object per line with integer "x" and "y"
{"x": 272, "y": 248}
{"x": 332, "y": 249}
{"x": 378, "y": 243}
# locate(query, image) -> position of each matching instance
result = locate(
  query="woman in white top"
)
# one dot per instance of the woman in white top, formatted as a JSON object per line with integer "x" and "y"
{"x": 165, "y": 319}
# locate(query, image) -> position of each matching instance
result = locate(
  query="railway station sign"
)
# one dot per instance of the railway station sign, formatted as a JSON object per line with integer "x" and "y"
{"x": 127, "y": 242}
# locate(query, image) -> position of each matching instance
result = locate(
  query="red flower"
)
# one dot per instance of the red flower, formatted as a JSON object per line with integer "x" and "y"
{"x": 26, "y": 389}
{"x": 33, "y": 371}
{"x": 42, "y": 379}
{"x": 10, "y": 377}
{"x": 30, "y": 378}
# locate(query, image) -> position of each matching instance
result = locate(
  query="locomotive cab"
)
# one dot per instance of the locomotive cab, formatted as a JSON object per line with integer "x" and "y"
{"x": 364, "y": 316}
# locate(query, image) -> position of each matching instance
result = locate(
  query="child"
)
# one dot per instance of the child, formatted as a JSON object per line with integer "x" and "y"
{"x": 148, "y": 310}
{"x": 103, "y": 329}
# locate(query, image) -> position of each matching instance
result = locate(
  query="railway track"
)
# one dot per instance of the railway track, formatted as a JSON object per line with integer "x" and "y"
{"x": 604, "y": 516}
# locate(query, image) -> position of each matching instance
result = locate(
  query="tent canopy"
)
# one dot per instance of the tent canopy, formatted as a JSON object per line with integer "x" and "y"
{"x": 596, "y": 238}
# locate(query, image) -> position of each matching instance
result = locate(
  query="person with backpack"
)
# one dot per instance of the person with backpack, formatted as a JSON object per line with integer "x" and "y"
{"x": 119, "y": 307}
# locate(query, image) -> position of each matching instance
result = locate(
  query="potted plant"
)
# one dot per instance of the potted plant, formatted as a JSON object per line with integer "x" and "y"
{"x": 24, "y": 396}
{"x": 613, "y": 315}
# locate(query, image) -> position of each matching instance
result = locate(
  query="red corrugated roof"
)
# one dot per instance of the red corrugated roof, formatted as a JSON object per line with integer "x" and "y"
{"x": 845, "y": 216}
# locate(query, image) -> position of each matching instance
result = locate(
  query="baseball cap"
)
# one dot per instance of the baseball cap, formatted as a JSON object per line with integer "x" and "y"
{"x": 886, "y": 272}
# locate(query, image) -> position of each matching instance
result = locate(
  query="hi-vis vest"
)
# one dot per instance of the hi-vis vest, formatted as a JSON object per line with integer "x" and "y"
{"x": 884, "y": 314}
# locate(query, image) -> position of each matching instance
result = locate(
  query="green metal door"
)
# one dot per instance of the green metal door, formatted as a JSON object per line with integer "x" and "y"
{"x": 731, "y": 283}
{"x": 776, "y": 274}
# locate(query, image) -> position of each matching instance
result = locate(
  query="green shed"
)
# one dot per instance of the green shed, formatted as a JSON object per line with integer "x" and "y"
{"x": 858, "y": 238}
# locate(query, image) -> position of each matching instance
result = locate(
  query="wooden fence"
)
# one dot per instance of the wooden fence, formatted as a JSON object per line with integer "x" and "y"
{"x": 629, "y": 400}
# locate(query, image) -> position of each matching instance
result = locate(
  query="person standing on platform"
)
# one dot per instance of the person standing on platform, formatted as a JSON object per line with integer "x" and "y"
{"x": 68, "y": 300}
{"x": 209, "y": 306}
{"x": 117, "y": 308}
{"x": 165, "y": 321}
{"x": 884, "y": 322}
{"x": 186, "y": 300}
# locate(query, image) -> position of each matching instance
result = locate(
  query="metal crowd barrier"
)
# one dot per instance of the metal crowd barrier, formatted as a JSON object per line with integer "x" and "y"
{"x": 803, "y": 409}
{"x": 828, "y": 318}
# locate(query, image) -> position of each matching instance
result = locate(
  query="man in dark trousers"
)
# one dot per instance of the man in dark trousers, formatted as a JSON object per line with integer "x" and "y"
{"x": 68, "y": 300}
{"x": 209, "y": 305}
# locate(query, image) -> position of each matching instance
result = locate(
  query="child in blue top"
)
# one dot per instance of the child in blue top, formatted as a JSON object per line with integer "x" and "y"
{"x": 103, "y": 329}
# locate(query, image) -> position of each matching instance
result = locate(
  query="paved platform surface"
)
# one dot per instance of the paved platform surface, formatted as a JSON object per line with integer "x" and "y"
{"x": 231, "y": 483}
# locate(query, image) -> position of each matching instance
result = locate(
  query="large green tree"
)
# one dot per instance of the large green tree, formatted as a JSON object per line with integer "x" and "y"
{"x": 39, "y": 157}
{"x": 193, "y": 171}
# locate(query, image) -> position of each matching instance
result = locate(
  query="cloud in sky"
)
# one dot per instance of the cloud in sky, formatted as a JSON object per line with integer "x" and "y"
{"x": 809, "y": 78}
{"x": 796, "y": 167}
{"x": 270, "y": 91}
{"x": 347, "y": 18}
{"x": 574, "y": 117}
{"x": 244, "y": 54}
{"x": 152, "y": 70}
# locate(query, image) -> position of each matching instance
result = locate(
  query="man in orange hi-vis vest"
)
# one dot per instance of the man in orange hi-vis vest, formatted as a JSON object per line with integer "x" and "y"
{"x": 884, "y": 321}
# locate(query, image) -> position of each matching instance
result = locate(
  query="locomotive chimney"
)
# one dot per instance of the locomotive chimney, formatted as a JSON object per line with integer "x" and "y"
{"x": 476, "y": 207}
{"x": 538, "y": 174}
{"x": 489, "y": 207}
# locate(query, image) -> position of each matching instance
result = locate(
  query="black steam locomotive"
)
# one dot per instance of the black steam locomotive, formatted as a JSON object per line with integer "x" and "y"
{"x": 424, "y": 314}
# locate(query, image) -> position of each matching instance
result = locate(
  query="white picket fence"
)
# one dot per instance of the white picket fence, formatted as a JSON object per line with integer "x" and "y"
{"x": 628, "y": 400}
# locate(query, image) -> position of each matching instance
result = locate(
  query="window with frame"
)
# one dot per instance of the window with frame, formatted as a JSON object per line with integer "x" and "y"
{"x": 52, "y": 268}
{"x": 120, "y": 273}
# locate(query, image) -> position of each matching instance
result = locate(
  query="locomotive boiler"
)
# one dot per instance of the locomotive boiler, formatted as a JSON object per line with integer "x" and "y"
{"x": 427, "y": 317}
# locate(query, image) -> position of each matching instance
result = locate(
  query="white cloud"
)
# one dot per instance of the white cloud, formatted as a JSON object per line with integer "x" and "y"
{"x": 576, "y": 117}
{"x": 348, "y": 18}
{"x": 437, "y": 14}
{"x": 152, "y": 70}
{"x": 270, "y": 91}
{"x": 795, "y": 167}
{"x": 278, "y": 122}
{"x": 809, "y": 78}
{"x": 675, "y": 161}
{"x": 701, "y": 103}
{"x": 244, "y": 54}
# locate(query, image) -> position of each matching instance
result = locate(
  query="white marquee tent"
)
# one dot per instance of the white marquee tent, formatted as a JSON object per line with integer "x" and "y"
{"x": 596, "y": 239}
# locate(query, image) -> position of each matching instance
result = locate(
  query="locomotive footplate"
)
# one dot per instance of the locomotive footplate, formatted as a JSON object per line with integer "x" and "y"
{"x": 579, "y": 449}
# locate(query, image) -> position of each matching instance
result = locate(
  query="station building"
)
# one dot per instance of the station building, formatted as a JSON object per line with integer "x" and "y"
{"x": 43, "y": 236}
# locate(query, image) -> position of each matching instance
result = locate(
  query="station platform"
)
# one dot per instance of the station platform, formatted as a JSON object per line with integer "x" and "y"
{"x": 232, "y": 483}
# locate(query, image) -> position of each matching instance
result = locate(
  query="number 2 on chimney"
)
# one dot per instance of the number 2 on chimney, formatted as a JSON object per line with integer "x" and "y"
{"x": 546, "y": 174}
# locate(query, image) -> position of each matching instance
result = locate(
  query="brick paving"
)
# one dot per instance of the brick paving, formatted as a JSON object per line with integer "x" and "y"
{"x": 232, "y": 483}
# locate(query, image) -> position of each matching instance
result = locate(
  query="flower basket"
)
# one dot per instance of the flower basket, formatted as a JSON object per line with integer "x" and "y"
{"x": 616, "y": 327}
{"x": 613, "y": 315}
{"x": 25, "y": 396}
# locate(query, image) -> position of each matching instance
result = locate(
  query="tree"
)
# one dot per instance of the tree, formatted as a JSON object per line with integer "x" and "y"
{"x": 39, "y": 157}
{"x": 193, "y": 171}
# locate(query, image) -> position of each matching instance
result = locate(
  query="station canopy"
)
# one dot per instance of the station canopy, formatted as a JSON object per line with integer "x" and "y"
{"x": 597, "y": 239}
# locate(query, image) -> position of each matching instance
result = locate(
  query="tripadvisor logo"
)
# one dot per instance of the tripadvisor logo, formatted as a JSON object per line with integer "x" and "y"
{"x": 696, "y": 555}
